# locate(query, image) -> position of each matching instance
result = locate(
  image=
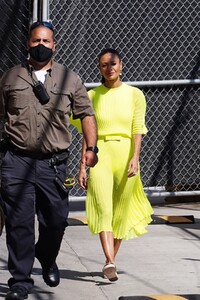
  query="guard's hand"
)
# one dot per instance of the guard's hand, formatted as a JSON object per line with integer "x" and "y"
{"x": 90, "y": 159}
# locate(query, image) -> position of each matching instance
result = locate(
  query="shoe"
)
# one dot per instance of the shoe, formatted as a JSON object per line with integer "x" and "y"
{"x": 51, "y": 275}
{"x": 17, "y": 293}
{"x": 110, "y": 272}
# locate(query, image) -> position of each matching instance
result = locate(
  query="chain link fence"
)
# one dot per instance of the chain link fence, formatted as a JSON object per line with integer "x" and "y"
{"x": 170, "y": 153}
{"x": 158, "y": 40}
{"x": 14, "y": 24}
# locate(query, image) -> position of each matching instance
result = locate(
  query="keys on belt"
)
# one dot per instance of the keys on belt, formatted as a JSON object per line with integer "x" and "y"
{"x": 67, "y": 183}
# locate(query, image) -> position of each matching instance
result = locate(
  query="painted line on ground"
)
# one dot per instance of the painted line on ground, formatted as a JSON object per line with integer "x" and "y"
{"x": 80, "y": 220}
{"x": 75, "y": 221}
{"x": 161, "y": 297}
{"x": 173, "y": 219}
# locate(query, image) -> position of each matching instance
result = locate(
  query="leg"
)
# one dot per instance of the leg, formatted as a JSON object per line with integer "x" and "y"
{"x": 46, "y": 251}
{"x": 110, "y": 245}
{"x": 117, "y": 244}
{"x": 107, "y": 242}
{"x": 18, "y": 196}
{"x": 52, "y": 210}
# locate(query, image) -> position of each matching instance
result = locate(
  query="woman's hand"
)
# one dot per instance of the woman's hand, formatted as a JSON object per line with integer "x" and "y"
{"x": 82, "y": 177}
{"x": 133, "y": 167}
{"x": 134, "y": 162}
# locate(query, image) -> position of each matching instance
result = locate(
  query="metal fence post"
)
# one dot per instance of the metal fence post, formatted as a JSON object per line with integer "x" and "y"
{"x": 40, "y": 10}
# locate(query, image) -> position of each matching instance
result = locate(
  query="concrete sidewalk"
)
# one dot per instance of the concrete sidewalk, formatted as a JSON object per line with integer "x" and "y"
{"x": 166, "y": 261}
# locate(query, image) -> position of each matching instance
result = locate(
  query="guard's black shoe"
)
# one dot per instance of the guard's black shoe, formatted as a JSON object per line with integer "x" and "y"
{"x": 17, "y": 293}
{"x": 51, "y": 275}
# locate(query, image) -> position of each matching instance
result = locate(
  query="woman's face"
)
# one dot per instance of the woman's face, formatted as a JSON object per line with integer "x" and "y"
{"x": 110, "y": 66}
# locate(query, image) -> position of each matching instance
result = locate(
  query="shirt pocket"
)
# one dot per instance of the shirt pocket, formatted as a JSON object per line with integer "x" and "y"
{"x": 18, "y": 97}
{"x": 59, "y": 105}
{"x": 60, "y": 100}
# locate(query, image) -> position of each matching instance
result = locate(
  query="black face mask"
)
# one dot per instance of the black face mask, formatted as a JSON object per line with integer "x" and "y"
{"x": 40, "y": 53}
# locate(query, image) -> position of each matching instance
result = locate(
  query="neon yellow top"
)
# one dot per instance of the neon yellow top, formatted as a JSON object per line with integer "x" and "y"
{"x": 118, "y": 111}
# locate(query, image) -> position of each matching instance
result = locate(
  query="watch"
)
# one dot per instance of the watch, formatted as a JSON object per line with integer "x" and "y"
{"x": 93, "y": 149}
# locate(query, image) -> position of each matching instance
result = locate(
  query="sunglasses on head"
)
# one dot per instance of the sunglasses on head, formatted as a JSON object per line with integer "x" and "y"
{"x": 43, "y": 23}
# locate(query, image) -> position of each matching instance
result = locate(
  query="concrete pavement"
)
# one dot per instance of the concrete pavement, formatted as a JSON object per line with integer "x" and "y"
{"x": 164, "y": 264}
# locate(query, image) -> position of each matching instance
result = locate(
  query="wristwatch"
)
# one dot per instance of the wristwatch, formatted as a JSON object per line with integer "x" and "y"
{"x": 93, "y": 149}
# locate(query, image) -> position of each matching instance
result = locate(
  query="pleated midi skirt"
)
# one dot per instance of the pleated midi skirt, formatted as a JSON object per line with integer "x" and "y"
{"x": 115, "y": 202}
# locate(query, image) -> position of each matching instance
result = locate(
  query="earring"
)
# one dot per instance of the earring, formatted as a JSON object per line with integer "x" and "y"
{"x": 120, "y": 73}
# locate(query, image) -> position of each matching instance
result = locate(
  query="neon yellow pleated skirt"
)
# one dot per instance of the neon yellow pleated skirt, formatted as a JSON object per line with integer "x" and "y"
{"x": 115, "y": 202}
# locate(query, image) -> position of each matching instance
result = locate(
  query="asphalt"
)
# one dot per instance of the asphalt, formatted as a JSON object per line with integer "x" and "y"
{"x": 163, "y": 264}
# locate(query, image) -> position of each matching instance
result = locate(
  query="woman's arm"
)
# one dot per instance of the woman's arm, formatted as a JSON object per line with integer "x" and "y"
{"x": 82, "y": 176}
{"x": 134, "y": 162}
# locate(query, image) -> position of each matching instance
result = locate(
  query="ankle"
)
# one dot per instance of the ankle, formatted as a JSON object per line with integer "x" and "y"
{"x": 110, "y": 262}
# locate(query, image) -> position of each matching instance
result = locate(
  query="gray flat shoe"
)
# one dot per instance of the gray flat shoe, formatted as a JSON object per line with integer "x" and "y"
{"x": 110, "y": 272}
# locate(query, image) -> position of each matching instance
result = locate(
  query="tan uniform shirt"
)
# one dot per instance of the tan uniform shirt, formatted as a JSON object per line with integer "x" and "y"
{"x": 32, "y": 126}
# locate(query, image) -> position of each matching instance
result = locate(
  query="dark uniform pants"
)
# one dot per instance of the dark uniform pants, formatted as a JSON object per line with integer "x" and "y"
{"x": 28, "y": 187}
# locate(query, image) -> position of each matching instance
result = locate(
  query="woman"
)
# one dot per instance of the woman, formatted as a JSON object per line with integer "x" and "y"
{"x": 116, "y": 205}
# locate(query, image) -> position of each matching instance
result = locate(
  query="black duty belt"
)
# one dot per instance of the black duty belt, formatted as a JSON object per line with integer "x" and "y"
{"x": 38, "y": 155}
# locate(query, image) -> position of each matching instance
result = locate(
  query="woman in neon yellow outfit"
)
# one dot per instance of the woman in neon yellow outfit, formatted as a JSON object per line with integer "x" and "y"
{"x": 116, "y": 205}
